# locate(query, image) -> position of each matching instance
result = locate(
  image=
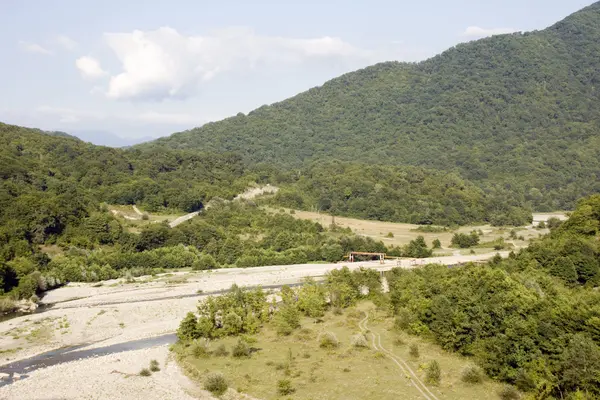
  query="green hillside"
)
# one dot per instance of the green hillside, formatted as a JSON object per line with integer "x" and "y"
{"x": 400, "y": 194}
{"x": 519, "y": 110}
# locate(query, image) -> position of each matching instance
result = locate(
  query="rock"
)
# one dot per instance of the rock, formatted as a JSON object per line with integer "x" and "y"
{"x": 26, "y": 306}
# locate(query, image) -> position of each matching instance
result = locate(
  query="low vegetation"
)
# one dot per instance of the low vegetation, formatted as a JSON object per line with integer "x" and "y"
{"x": 529, "y": 321}
{"x": 215, "y": 383}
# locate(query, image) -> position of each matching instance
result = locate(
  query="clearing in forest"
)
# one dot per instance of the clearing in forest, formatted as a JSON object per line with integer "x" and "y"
{"x": 345, "y": 371}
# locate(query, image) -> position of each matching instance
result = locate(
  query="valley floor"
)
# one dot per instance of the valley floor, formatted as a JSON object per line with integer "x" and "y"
{"x": 116, "y": 312}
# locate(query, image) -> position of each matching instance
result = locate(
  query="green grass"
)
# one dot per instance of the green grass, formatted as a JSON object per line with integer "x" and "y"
{"x": 297, "y": 362}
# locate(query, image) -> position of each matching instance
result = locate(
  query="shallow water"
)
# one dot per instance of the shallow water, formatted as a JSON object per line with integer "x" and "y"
{"x": 67, "y": 354}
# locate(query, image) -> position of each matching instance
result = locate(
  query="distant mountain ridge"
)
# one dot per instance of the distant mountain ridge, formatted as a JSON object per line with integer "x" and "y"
{"x": 519, "y": 110}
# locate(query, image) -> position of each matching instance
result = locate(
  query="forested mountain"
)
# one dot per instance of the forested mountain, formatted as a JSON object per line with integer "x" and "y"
{"x": 521, "y": 110}
{"x": 51, "y": 189}
{"x": 49, "y": 183}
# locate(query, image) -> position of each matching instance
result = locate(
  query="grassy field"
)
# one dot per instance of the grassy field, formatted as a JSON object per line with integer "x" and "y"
{"x": 346, "y": 372}
{"x": 133, "y": 221}
{"x": 404, "y": 233}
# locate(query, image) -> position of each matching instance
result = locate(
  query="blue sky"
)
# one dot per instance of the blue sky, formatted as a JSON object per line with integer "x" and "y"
{"x": 149, "y": 68}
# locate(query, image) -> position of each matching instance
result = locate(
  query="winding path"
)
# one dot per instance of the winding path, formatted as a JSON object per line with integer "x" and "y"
{"x": 404, "y": 367}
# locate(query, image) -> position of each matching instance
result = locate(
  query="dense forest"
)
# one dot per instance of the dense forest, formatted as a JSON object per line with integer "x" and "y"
{"x": 519, "y": 110}
{"x": 532, "y": 320}
{"x": 400, "y": 194}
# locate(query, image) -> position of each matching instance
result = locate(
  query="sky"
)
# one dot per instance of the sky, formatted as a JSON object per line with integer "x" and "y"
{"x": 140, "y": 69}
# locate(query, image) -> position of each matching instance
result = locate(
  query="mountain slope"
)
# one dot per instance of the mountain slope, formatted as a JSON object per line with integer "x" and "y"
{"x": 518, "y": 110}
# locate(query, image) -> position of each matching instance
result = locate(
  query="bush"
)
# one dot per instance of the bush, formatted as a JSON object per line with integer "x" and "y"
{"x": 403, "y": 320}
{"x": 553, "y": 223}
{"x": 284, "y": 387}
{"x": 509, "y": 393}
{"x": 359, "y": 341}
{"x": 204, "y": 261}
{"x": 199, "y": 349}
{"x": 240, "y": 350}
{"x": 472, "y": 375}
{"x": 215, "y": 383}
{"x": 145, "y": 217}
{"x": 464, "y": 241}
{"x": 433, "y": 373}
{"x": 282, "y": 327}
{"x": 145, "y": 372}
{"x": 188, "y": 328}
{"x": 7, "y": 305}
{"x": 221, "y": 351}
{"x": 328, "y": 340}
{"x": 541, "y": 225}
{"x": 154, "y": 366}
{"x": 436, "y": 244}
{"x": 414, "y": 350}
{"x": 390, "y": 235}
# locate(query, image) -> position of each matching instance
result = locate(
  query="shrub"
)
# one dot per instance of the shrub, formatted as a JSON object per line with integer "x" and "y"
{"x": 145, "y": 372}
{"x": 284, "y": 387}
{"x": 221, "y": 351}
{"x": 390, "y": 235}
{"x": 403, "y": 320}
{"x": 553, "y": 223}
{"x": 436, "y": 244}
{"x": 433, "y": 374}
{"x": 7, "y": 305}
{"x": 359, "y": 340}
{"x": 283, "y": 328}
{"x": 399, "y": 341}
{"x": 464, "y": 241}
{"x": 240, "y": 350}
{"x": 215, "y": 383}
{"x": 188, "y": 328}
{"x": 286, "y": 320}
{"x": 414, "y": 350}
{"x": 328, "y": 340}
{"x": 145, "y": 217}
{"x": 204, "y": 261}
{"x": 509, "y": 393}
{"x": 154, "y": 366}
{"x": 305, "y": 334}
{"x": 199, "y": 349}
{"x": 355, "y": 314}
{"x": 472, "y": 375}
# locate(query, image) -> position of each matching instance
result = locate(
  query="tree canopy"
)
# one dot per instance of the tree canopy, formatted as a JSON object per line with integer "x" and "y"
{"x": 519, "y": 110}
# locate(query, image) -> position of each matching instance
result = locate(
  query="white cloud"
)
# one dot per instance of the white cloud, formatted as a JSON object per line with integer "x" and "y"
{"x": 89, "y": 67}
{"x": 66, "y": 42}
{"x": 164, "y": 63}
{"x": 477, "y": 32}
{"x": 33, "y": 48}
